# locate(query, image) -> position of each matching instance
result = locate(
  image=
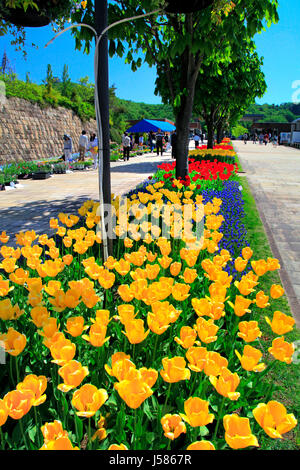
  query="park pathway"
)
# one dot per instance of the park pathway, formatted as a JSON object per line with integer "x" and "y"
{"x": 32, "y": 206}
{"x": 274, "y": 178}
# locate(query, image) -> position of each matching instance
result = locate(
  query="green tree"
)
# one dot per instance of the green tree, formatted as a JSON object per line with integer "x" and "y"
{"x": 222, "y": 98}
{"x": 65, "y": 80}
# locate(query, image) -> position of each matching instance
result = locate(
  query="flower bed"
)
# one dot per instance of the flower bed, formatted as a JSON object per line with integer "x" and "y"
{"x": 156, "y": 350}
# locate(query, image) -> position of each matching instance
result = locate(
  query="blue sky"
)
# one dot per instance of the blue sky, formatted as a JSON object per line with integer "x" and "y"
{"x": 279, "y": 45}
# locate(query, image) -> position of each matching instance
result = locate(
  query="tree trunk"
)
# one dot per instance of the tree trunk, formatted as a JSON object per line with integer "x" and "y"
{"x": 219, "y": 132}
{"x": 210, "y": 134}
{"x": 183, "y": 119}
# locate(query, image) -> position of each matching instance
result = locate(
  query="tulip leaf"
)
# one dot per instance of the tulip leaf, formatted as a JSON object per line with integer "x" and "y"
{"x": 147, "y": 410}
{"x": 32, "y": 433}
{"x": 79, "y": 426}
{"x": 203, "y": 431}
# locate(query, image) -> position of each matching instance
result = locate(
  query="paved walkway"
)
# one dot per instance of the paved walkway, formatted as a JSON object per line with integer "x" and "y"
{"x": 32, "y": 206}
{"x": 274, "y": 178}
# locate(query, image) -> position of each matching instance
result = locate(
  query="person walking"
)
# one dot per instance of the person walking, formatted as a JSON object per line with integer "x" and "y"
{"x": 93, "y": 147}
{"x": 83, "y": 145}
{"x": 126, "y": 146}
{"x": 159, "y": 142}
{"x": 173, "y": 143}
{"x": 261, "y": 138}
{"x": 68, "y": 147}
{"x": 266, "y": 139}
{"x": 254, "y": 138}
{"x": 245, "y": 138}
{"x": 141, "y": 142}
{"x": 196, "y": 140}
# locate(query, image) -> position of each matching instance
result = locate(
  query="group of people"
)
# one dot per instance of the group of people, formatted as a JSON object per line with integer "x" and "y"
{"x": 262, "y": 138}
{"x": 85, "y": 143}
{"x": 159, "y": 140}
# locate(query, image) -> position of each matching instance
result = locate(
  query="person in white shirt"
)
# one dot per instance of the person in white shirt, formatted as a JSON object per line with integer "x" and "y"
{"x": 83, "y": 145}
{"x": 126, "y": 146}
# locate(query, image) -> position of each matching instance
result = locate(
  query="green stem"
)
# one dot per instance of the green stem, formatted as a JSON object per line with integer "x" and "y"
{"x": 22, "y": 432}
{"x": 135, "y": 431}
{"x": 37, "y": 427}
{"x": 219, "y": 419}
{"x": 155, "y": 348}
{"x": 2, "y": 439}
{"x": 167, "y": 398}
{"x": 17, "y": 369}
{"x": 89, "y": 435}
{"x": 169, "y": 445}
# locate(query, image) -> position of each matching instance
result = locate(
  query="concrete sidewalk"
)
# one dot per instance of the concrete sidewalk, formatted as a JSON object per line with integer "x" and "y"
{"x": 32, "y": 206}
{"x": 273, "y": 174}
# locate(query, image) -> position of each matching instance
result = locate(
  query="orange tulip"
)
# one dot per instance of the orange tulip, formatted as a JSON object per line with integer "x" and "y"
{"x": 3, "y": 412}
{"x": 187, "y": 337}
{"x": 201, "y": 445}
{"x": 134, "y": 392}
{"x": 259, "y": 267}
{"x": 202, "y": 307}
{"x": 282, "y": 350}
{"x": 135, "y": 331}
{"x": 75, "y": 326}
{"x": 281, "y": 323}
{"x": 73, "y": 374}
{"x": 117, "y": 447}
{"x": 97, "y": 335}
{"x": 240, "y": 264}
{"x": 273, "y": 264}
{"x": 206, "y": 330}
{"x": 62, "y": 443}
{"x": 276, "y": 291}
{"x": 53, "y": 431}
{"x": 173, "y": 426}
{"x": 67, "y": 259}
{"x": 52, "y": 287}
{"x": 197, "y": 358}
{"x": 14, "y": 342}
{"x": 238, "y": 433}
{"x": 122, "y": 267}
{"x": 214, "y": 363}
{"x": 149, "y": 376}
{"x": 196, "y": 412}
{"x": 18, "y": 403}
{"x": 4, "y": 238}
{"x": 62, "y": 351}
{"x": 37, "y": 385}
{"x": 250, "y": 359}
{"x": 247, "y": 253}
{"x": 249, "y": 331}
{"x": 180, "y": 292}
{"x": 175, "y": 268}
{"x": 174, "y": 369}
{"x": 189, "y": 275}
{"x": 273, "y": 418}
{"x": 120, "y": 366}
{"x": 9, "y": 311}
{"x": 125, "y": 293}
{"x": 19, "y": 276}
{"x": 226, "y": 384}
{"x": 241, "y": 305}
{"x": 106, "y": 279}
{"x": 261, "y": 300}
{"x": 88, "y": 400}
{"x": 39, "y": 316}
{"x": 152, "y": 271}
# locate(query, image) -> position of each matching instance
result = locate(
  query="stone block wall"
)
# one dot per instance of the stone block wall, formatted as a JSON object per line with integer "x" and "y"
{"x": 28, "y": 132}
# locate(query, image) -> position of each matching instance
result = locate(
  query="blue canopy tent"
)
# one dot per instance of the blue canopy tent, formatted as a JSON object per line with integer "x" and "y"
{"x": 147, "y": 125}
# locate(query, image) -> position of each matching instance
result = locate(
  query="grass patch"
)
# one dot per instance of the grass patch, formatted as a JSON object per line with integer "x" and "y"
{"x": 286, "y": 377}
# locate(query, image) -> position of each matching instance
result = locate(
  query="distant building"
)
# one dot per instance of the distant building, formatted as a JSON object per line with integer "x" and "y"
{"x": 295, "y": 133}
{"x": 252, "y": 117}
{"x": 275, "y": 128}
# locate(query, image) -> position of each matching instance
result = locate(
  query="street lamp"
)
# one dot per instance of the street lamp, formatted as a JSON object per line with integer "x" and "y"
{"x": 102, "y": 119}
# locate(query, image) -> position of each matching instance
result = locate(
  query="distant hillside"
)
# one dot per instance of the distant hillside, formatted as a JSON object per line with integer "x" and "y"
{"x": 286, "y": 112}
{"x": 146, "y": 111}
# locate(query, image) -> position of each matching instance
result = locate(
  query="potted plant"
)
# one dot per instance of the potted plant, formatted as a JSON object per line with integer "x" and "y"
{"x": 42, "y": 171}
{"x": 34, "y": 13}
{"x": 59, "y": 168}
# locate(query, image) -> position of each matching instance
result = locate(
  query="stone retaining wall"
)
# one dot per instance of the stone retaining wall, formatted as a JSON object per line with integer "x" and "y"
{"x": 28, "y": 132}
